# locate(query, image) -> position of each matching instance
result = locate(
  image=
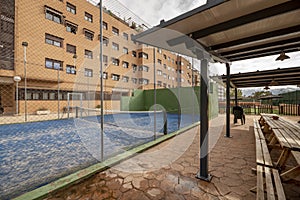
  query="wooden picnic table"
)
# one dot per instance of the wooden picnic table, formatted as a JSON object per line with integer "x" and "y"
{"x": 287, "y": 135}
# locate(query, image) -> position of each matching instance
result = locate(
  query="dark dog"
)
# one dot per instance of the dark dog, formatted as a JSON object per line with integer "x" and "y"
{"x": 238, "y": 113}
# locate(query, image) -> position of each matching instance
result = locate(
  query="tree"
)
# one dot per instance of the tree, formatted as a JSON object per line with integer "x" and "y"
{"x": 258, "y": 94}
{"x": 239, "y": 93}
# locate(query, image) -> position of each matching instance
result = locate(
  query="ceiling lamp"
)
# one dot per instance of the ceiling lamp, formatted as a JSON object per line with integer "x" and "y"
{"x": 266, "y": 88}
{"x": 282, "y": 56}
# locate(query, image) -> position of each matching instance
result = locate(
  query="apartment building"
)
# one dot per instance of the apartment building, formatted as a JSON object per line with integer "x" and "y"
{"x": 54, "y": 46}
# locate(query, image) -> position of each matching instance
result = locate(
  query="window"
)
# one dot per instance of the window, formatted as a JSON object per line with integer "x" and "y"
{"x": 115, "y": 46}
{"x": 165, "y": 56}
{"x": 143, "y": 81}
{"x": 165, "y": 85}
{"x": 115, "y": 61}
{"x": 115, "y": 31}
{"x": 165, "y": 75}
{"x": 169, "y": 58}
{"x": 71, "y": 27}
{"x": 180, "y": 80}
{"x": 125, "y": 36}
{"x": 125, "y": 50}
{"x": 143, "y": 55}
{"x": 88, "y": 17}
{"x": 159, "y": 61}
{"x": 134, "y": 67}
{"x": 173, "y": 61}
{"x": 53, "y": 64}
{"x": 71, "y": 48}
{"x": 125, "y": 65}
{"x": 88, "y": 72}
{"x": 35, "y": 95}
{"x": 144, "y": 68}
{"x": 70, "y": 69}
{"x": 169, "y": 77}
{"x": 159, "y": 50}
{"x": 165, "y": 66}
{"x": 88, "y": 34}
{"x": 159, "y": 72}
{"x": 105, "y": 41}
{"x": 159, "y": 83}
{"x": 71, "y": 8}
{"x": 181, "y": 71}
{"x": 115, "y": 77}
{"x": 52, "y": 96}
{"x": 134, "y": 80}
{"x": 53, "y": 15}
{"x": 125, "y": 79}
{"x": 105, "y": 75}
{"x": 105, "y": 59}
{"x": 169, "y": 68}
{"x": 133, "y": 53}
{"x": 53, "y": 40}
{"x": 88, "y": 54}
{"x": 105, "y": 27}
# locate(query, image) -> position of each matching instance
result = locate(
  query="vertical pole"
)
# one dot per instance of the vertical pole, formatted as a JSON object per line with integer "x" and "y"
{"x": 228, "y": 100}
{"x": 178, "y": 90}
{"x": 58, "y": 93}
{"x": 101, "y": 79}
{"x": 235, "y": 96}
{"x": 203, "y": 173}
{"x": 154, "y": 78}
{"x": 17, "y": 98}
{"x": 25, "y": 45}
{"x": 193, "y": 91}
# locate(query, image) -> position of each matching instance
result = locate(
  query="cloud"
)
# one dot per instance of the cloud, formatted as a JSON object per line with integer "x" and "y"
{"x": 152, "y": 11}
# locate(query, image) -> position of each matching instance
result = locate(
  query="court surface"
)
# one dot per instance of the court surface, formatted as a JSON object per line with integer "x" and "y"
{"x": 34, "y": 154}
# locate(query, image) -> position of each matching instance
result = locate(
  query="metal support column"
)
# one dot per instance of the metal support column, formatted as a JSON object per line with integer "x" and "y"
{"x": 203, "y": 173}
{"x": 228, "y": 100}
{"x": 101, "y": 81}
{"x": 235, "y": 96}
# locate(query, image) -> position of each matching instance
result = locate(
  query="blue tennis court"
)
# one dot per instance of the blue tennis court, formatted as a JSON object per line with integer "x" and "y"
{"x": 37, "y": 153}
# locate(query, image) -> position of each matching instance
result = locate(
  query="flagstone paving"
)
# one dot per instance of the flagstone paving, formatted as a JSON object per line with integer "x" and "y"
{"x": 168, "y": 170}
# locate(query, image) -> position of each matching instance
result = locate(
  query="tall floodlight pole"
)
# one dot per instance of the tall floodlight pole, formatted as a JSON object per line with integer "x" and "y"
{"x": 58, "y": 92}
{"x": 154, "y": 79}
{"x": 17, "y": 79}
{"x": 101, "y": 76}
{"x": 25, "y": 45}
{"x": 68, "y": 108}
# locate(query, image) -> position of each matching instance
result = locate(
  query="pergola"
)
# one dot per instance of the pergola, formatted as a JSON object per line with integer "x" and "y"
{"x": 228, "y": 31}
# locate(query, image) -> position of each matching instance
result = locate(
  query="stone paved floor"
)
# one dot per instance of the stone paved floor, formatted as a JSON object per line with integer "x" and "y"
{"x": 168, "y": 170}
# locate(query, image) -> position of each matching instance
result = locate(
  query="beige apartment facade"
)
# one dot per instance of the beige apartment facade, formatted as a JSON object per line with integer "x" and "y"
{"x": 63, "y": 57}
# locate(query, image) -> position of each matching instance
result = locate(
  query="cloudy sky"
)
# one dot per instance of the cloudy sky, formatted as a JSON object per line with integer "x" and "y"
{"x": 152, "y": 11}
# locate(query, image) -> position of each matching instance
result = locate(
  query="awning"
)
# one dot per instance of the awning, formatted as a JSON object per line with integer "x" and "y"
{"x": 232, "y": 30}
{"x": 286, "y": 76}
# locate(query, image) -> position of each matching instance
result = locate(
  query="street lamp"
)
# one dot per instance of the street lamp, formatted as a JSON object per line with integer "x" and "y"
{"x": 25, "y": 45}
{"x": 17, "y": 79}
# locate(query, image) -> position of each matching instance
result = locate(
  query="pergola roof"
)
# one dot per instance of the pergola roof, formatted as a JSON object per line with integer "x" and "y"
{"x": 233, "y": 30}
{"x": 287, "y": 76}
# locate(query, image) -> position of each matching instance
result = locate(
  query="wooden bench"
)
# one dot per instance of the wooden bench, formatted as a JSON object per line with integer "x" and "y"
{"x": 268, "y": 179}
{"x": 262, "y": 153}
{"x": 269, "y": 185}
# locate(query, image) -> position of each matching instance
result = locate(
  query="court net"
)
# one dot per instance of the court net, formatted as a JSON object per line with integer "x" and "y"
{"x": 142, "y": 120}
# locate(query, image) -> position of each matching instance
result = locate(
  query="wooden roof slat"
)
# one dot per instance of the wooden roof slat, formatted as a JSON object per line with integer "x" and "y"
{"x": 262, "y": 14}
